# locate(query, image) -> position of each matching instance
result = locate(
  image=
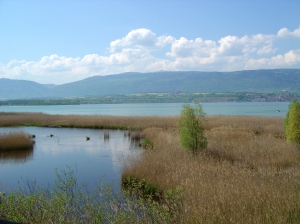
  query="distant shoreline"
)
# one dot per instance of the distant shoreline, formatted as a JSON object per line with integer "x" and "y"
{"x": 159, "y": 98}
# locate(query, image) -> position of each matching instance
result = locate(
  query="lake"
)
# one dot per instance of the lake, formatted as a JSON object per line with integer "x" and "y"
{"x": 68, "y": 147}
{"x": 158, "y": 109}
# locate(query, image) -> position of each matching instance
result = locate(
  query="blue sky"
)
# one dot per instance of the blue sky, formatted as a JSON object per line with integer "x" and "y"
{"x": 65, "y": 41}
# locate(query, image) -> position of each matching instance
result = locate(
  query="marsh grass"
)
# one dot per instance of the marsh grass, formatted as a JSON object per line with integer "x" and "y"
{"x": 247, "y": 174}
{"x": 79, "y": 121}
{"x": 15, "y": 141}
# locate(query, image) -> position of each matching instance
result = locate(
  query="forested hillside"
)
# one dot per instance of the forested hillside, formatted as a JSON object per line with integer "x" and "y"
{"x": 261, "y": 81}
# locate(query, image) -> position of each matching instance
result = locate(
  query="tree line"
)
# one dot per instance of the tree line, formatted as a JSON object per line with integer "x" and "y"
{"x": 178, "y": 97}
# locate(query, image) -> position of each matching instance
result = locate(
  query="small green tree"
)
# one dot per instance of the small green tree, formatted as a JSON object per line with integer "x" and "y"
{"x": 292, "y": 123}
{"x": 191, "y": 129}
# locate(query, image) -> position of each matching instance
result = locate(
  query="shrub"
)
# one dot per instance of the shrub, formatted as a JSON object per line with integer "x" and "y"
{"x": 147, "y": 144}
{"x": 191, "y": 131}
{"x": 292, "y": 123}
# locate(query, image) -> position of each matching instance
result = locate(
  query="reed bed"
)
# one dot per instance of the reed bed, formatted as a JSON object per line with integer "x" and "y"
{"x": 84, "y": 121}
{"x": 269, "y": 124}
{"x": 15, "y": 141}
{"x": 247, "y": 174}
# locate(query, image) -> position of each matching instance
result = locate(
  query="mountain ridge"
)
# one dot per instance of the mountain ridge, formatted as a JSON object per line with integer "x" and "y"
{"x": 265, "y": 80}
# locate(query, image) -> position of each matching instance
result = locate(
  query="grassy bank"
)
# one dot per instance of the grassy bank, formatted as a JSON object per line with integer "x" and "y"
{"x": 15, "y": 141}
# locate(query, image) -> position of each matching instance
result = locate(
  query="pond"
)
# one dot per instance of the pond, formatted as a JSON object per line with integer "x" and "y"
{"x": 103, "y": 154}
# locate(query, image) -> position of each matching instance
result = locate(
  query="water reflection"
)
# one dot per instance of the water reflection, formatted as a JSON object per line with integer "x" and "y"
{"x": 103, "y": 154}
{"x": 135, "y": 138}
{"x": 16, "y": 156}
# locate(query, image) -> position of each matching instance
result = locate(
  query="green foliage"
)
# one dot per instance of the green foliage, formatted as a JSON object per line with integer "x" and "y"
{"x": 292, "y": 123}
{"x": 147, "y": 144}
{"x": 191, "y": 129}
{"x": 70, "y": 202}
{"x": 166, "y": 97}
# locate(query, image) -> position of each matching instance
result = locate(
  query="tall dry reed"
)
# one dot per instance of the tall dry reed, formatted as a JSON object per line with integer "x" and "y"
{"x": 269, "y": 124}
{"x": 84, "y": 121}
{"x": 248, "y": 173}
{"x": 15, "y": 140}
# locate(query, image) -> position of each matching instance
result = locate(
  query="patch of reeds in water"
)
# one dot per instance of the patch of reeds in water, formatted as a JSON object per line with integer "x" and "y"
{"x": 106, "y": 135}
{"x": 15, "y": 141}
{"x": 134, "y": 136}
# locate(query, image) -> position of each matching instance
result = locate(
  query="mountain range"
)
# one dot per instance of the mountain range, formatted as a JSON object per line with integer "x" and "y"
{"x": 262, "y": 81}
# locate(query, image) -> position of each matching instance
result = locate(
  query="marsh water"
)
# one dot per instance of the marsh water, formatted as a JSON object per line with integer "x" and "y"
{"x": 102, "y": 156}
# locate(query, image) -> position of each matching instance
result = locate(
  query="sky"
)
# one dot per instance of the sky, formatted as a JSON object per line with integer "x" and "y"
{"x": 62, "y": 41}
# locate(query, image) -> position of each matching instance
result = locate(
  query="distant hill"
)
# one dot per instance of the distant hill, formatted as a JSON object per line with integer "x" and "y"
{"x": 50, "y": 86}
{"x": 263, "y": 81}
{"x": 21, "y": 89}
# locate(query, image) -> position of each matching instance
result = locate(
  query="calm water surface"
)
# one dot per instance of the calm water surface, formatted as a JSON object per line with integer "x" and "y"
{"x": 158, "y": 109}
{"x": 94, "y": 158}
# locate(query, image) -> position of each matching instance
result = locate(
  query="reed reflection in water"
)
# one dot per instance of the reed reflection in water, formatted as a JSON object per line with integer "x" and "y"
{"x": 16, "y": 156}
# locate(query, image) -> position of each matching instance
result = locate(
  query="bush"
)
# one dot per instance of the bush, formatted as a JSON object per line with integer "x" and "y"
{"x": 148, "y": 144}
{"x": 191, "y": 131}
{"x": 292, "y": 123}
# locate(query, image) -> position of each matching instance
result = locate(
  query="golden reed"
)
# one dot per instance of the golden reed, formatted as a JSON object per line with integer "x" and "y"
{"x": 247, "y": 174}
{"x": 15, "y": 140}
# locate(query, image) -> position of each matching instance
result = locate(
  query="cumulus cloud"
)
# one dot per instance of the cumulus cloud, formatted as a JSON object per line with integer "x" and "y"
{"x": 226, "y": 46}
{"x": 187, "y": 48}
{"x": 290, "y": 59}
{"x": 285, "y": 33}
{"x": 134, "y": 52}
{"x": 141, "y": 38}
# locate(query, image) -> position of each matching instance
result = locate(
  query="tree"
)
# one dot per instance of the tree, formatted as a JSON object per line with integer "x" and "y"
{"x": 191, "y": 131}
{"x": 292, "y": 123}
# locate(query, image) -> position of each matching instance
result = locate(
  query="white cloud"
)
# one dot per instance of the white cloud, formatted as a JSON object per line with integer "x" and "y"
{"x": 285, "y": 33}
{"x": 290, "y": 59}
{"x": 141, "y": 38}
{"x": 187, "y": 48}
{"x": 226, "y": 46}
{"x": 134, "y": 52}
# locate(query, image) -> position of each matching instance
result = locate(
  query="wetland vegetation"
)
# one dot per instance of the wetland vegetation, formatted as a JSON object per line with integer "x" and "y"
{"x": 248, "y": 173}
{"x": 15, "y": 141}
